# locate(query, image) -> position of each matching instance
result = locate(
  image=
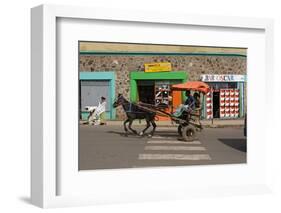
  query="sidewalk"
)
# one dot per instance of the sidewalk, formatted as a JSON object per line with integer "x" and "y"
{"x": 205, "y": 123}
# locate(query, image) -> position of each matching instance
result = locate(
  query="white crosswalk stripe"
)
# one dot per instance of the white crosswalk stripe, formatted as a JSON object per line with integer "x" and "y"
{"x": 173, "y": 142}
{"x": 193, "y": 157}
{"x": 161, "y": 137}
{"x": 179, "y": 150}
{"x": 176, "y": 148}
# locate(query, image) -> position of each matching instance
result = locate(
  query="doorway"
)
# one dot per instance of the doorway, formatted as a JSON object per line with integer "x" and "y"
{"x": 146, "y": 92}
{"x": 216, "y": 104}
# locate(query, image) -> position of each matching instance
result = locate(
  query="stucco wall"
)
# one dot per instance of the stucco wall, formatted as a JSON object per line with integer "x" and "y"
{"x": 195, "y": 65}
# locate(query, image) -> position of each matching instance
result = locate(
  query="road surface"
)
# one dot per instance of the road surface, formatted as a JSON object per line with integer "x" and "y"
{"x": 106, "y": 147}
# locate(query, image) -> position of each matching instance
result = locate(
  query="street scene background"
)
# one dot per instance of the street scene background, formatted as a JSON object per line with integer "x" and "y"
{"x": 146, "y": 73}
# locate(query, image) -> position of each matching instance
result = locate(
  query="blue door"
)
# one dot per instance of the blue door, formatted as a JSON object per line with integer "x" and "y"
{"x": 91, "y": 92}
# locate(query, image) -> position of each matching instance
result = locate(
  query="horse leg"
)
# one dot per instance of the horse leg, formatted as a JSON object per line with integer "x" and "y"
{"x": 130, "y": 127}
{"x": 147, "y": 126}
{"x": 125, "y": 128}
{"x": 154, "y": 127}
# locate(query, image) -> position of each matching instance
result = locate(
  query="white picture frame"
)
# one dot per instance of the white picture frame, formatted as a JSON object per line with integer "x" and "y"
{"x": 44, "y": 147}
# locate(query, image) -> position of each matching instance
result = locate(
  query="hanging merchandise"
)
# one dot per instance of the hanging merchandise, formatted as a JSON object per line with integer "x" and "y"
{"x": 232, "y": 110}
{"x": 162, "y": 92}
{"x": 222, "y": 103}
{"x": 236, "y": 103}
{"x": 229, "y": 103}
{"x": 209, "y": 105}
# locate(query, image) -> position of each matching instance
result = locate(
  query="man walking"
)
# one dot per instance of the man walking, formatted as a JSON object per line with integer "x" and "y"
{"x": 99, "y": 116}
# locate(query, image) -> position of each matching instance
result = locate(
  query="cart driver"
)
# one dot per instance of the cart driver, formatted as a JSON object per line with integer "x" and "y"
{"x": 189, "y": 104}
{"x": 190, "y": 101}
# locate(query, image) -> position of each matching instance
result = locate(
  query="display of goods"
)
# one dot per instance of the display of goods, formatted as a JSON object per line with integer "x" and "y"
{"x": 229, "y": 103}
{"x": 209, "y": 105}
{"x": 229, "y": 100}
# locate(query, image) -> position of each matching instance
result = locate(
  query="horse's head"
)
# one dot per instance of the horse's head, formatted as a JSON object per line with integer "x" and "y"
{"x": 119, "y": 101}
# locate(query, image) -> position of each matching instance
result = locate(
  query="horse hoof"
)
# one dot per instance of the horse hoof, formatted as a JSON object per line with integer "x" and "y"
{"x": 141, "y": 134}
{"x": 149, "y": 135}
{"x": 135, "y": 132}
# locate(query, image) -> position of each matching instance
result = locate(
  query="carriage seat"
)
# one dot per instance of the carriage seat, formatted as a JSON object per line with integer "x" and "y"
{"x": 181, "y": 109}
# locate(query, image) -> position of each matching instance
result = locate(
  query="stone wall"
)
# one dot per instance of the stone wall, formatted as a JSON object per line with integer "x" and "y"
{"x": 195, "y": 65}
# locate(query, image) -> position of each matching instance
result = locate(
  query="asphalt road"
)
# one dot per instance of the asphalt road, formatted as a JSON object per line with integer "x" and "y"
{"x": 106, "y": 147}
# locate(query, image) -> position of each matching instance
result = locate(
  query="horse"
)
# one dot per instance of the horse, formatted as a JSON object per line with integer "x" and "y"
{"x": 134, "y": 112}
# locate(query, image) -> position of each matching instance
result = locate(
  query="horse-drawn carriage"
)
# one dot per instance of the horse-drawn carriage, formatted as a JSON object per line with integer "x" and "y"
{"x": 187, "y": 118}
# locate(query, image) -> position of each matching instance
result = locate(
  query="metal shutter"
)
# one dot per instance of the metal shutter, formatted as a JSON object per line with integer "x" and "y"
{"x": 91, "y": 92}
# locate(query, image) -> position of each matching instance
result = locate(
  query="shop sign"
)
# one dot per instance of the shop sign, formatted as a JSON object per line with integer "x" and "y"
{"x": 223, "y": 78}
{"x": 158, "y": 67}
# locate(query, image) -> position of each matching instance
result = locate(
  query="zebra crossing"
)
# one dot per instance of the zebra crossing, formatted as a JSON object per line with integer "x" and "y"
{"x": 168, "y": 148}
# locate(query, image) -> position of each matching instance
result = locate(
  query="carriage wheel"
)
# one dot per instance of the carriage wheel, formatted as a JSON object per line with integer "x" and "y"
{"x": 189, "y": 133}
{"x": 180, "y": 130}
{"x": 180, "y": 127}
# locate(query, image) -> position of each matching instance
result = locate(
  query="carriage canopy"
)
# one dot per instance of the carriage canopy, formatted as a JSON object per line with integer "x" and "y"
{"x": 192, "y": 85}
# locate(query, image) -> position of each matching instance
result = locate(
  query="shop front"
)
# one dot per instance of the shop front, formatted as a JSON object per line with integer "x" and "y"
{"x": 94, "y": 85}
{"x": 155, "y": 88}
{"x": 226, "y": 98}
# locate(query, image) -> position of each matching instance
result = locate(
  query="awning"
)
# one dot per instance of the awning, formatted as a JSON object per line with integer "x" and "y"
{"x": 192, "y": 85}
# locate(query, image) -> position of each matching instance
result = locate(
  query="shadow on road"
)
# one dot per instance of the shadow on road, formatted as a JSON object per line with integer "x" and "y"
{"x": 121, "y": 133}
{"x": 130, "y": 134}
{"x": 236, "y": 143}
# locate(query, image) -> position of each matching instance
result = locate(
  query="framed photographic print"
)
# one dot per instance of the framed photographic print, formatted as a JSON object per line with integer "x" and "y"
{"x": 130, "y": 106}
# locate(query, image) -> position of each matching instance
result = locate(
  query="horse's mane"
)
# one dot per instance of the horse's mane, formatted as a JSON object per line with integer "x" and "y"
{"x": 132, "y": 106}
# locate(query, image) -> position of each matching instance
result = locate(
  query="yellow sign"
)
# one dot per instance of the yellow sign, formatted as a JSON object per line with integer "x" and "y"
{"x": 158, "y": 67}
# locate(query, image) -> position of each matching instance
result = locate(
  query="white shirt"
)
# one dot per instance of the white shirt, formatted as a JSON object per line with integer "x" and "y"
{"x": 101, "y": 108}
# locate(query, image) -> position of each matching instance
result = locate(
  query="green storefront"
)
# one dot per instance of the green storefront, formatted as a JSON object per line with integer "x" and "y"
{"x": 155, "y": 88}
